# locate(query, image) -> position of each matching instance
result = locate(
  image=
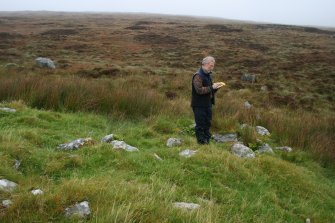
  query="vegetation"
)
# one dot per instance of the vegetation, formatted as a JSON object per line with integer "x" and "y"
{"x": 130, "y": 75}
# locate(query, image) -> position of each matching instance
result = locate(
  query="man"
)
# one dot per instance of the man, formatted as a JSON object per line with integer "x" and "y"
{"x": 203, "y": 97}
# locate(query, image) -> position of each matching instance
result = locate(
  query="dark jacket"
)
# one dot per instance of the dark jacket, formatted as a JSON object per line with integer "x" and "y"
{"x": 205, "y": 95}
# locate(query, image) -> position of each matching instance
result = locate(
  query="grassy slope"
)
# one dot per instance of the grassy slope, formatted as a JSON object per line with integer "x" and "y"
{"x": 135, "y": 187}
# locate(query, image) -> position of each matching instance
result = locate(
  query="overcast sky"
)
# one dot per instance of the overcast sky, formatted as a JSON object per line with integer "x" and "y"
{"x": 295, "y": 12}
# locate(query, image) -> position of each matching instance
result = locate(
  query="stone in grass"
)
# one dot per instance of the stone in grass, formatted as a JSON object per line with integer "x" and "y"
{"x": 108, "y": 138}
{"x": 242, "y": 151}
{"x": 262, "y": 131}
{"x": 17, "y": 164}
{"x": 80, "y": 210}
{"x": 187, "y": 153}
{"x": 7, "y": 186}
{"x": 122, "y": 145}
{"x": 6, "y": 203}
{"x": 171, "y": 142}
{"x": 158, "y": 157}
{"x": 75, "y": 144}
{"x": 186, "y": 206}
{"x": 247, "y": 105}
{"x": 45, "y": 62}
{"x": 284, "y": 148}
{"x": 232, "y": 137}
{"x": 37, "y": 192}
{"x": 12, "y": 110}
{"x": 265, "y": 148}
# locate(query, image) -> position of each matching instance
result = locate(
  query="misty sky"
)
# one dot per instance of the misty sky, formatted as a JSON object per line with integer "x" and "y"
{"x": 295, "y": 12}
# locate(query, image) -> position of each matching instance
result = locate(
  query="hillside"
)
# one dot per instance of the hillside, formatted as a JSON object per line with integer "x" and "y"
{"x": 130, "y": 75}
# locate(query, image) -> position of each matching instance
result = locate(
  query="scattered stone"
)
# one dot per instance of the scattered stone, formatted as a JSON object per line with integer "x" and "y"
{"x": 8, "y": 109}
{"x": 264, "y": 88}
{"x": 81, "y": 210}
{"x": 247, "y": 105}
{"x": 265, "y": 148}
{"x": 37, "y": 192}
{"x": 158, "y": 157}
{"x": 187, "y": 206}
{"x": 11, "y": 65}
{"x": 232, "y": 137}
{"x": 17, "y": 164}
{"x": 171, "y": 142}
{"x": 76, "y": 144}
{"x": 6, "y": 203}
{"x": 284, "y": 148}
{"x": 122, "y": 145}
{"x": 308, "y": 220}
{"x": 107, "y": 138}
{"x": 243, "y": 151}
{"x": 7, "y": 186}
{"x": 262, "y": 131}
{"x": 248, "y": 77}
{"x": 45, "y": 62}
{"x": 187, "y": 153}
{"x": 243, "y": 126}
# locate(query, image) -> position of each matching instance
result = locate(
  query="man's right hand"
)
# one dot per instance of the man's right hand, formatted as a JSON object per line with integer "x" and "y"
{"x": 218, "y": 85}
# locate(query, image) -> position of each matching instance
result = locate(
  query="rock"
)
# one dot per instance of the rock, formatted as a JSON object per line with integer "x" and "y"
{"x": 75, "y": 144}
{"x": 243, "y": 126}
{"x": 247, "y": 105}
{"x": 37, "y": 192}
{"x": 158, "y": 157}
{"x": 248, "y": 77}
{"x": 11, "y": 65}
{"x": 122, "y": 145}
{"x": 232, "y": 137}
{"x": 6, "y": 203}
{"x": 171, "y": 142}
{"x": 8, "y": 110}
{"x": 81, "y": 210}
{"x": 265, "y": 148}
{"x": 187, "y": 206}
{"x": 187, "y": 153}
{"x": 284, "y": 148}
{"x": 262, "y": 131}
{"x": 45, "y": 62}
{"x": 243, "y": 151}
{"x": 308, "y": 220}
{"x": 264, "y": 88}
{"x": 107, "y": 138}
{"x": 7, "y": 186}
{"x": 17, "y": 164}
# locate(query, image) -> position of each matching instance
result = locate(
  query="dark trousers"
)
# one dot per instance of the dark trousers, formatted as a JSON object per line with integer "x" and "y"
{"x": 203, "y": 119}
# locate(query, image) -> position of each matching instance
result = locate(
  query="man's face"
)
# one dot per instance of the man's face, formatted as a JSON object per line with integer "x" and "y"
{"x": 210, "y": 66}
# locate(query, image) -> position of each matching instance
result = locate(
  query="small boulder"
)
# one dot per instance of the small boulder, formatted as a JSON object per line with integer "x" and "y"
{"x": 17, "y": 164}
{"x": 6, "y": 203}
{"x": 187, "y": 153}
{"x": 186, "y": 206}
{"x": 284, "y": 148}
{"x": 171, "y": 142}
{"x": 37, "y": 192}
{"x": 75, "y": 144}
{"x": 7, "y": 186}
{"x": 81, "y": 210}
{"x": 122, "y": 145}
{"x": 243, "y": 151}
{"x": 108, "y": 138}
{"x": 262, "y": 131}
{"x": 45, "y": 62}
{"x": 247, "y": 105}
{"x": 265, "y": 148}
{"x": 232, "y": 137}
{"x": 248, "y": 77}
{"x": 12, "y": 110}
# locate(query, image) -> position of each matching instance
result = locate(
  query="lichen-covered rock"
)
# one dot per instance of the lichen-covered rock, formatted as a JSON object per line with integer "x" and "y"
{"x": 265, "y": 148}
{"x": 284, "y": 148}
{"x": 186, "y": 206}
{"x": 37, "y": 192}
{"x": 243, "y": 151}
{"x": 6, "y": 203}
{"x": 262, "y": 131}
{"x": 12, "y": 110}
{"x": 81, "y": 210}
{"x": 45, "y": 62}
{"x": 247, "y": 105}
{"x": 171, "y": 142}
{"x": 108, "y": 138}
{"x": 232, "y": 137}
{"x": 7, "y": 186}
{"x": 122, "y": 145}
{"x": 187, "y": 153}
{"x": 76, "y": 144}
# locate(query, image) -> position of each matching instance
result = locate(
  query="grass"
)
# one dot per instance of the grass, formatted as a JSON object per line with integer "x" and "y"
{"x": 136, "y": 187}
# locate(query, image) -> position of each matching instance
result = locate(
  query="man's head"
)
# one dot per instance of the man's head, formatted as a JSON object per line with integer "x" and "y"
{"x": 208, "y": 63}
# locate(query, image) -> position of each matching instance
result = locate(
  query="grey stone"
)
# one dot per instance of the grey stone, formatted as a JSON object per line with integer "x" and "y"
{"x": 81, "y": 210}
{"x": 265, "y": 148}
{"x": 37, "y": 192}
{"x": 122, "y": 145}
{"x": 186, "y": 206}
{"x": 45, "y": 62}
{"x": 171, "y": 142}
{"x": 7, "y": 186}
{"x": 247, "y": 105}
{"x": 262, "y": 131}
{"x": 17, "y": 164}
{"x": 8, "y": 110}
{"x": 187, "y": 153}
{"x": 6, "y": 203}
{"x": 232, "y": 137}
{"x": 264, "y": 88}
{"x": 284, "y": 148}
{"x": 308, "y": 220}
{"x": 248, "y": 77}
{"x": 75, "y": 144}
{"x": 243, "y": 151}
{"x": 107, "y": 138}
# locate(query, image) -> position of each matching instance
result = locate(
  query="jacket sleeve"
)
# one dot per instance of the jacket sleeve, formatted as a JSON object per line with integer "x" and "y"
{"x": 197, "y": 83}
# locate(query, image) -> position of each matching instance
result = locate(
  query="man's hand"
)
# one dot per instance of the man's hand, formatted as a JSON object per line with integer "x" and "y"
{"x": 218, "y": 85}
